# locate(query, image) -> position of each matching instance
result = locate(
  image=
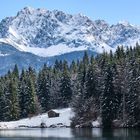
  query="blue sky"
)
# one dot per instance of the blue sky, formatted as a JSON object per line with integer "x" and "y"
{"x": 110, "y": 10}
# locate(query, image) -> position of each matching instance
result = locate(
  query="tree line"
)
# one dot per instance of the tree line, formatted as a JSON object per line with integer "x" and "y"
{"x": 106, "y": 86}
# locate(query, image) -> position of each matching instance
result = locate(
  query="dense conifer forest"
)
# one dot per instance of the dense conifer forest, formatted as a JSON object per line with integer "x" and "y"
{"x": 105, "y": 86}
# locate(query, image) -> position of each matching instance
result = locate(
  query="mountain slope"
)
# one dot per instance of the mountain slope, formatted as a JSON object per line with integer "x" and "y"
{"x": 9, "y": 56}
{"x": 37, "y": 36}
{"x": 50, "y": 33}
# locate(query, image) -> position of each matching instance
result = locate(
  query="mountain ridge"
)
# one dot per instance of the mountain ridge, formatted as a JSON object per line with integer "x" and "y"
{"x": 50, "y": 33}
{"x": 40, "y": 36}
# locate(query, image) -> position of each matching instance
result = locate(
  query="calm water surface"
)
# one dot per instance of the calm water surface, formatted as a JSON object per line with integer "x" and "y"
{"x": 70, "y": 134}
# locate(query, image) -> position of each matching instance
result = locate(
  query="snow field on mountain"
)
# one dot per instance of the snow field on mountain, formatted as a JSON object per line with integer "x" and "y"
{"x": 50, "y": 33}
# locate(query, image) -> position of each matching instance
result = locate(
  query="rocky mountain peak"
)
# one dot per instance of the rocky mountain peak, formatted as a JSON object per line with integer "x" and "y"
{"x": 39, "y": 31}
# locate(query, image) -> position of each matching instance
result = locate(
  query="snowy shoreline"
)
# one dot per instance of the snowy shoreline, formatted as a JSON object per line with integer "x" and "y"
{"x": 64, "y": 120}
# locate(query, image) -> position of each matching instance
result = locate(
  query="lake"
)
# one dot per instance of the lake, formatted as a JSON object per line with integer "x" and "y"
{"x": 70, "y": 134}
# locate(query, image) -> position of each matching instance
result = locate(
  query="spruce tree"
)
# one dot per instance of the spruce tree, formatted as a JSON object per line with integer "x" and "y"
{"x": 132, "y": 98}
{"x": 22, "y": 94}
{"x": 107, "y": 108}
{"x": 65, "y": 87}
{"x": 28, "y": 97}
{"x": 31, "y": 104}
{"x": 13, "y": 100}
{"x": 91, "y": 83}
{"x": 55, "y": 95}
{"x": 16, "y": 72}
{"x": 43, "y": 91}
{"x": 2, "y": 101}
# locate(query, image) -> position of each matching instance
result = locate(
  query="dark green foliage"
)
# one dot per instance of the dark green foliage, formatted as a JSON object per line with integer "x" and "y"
{"x": 108, "y": 99}
{"x": 132, "y": 96}
{"x": 106, "y": 86}
{"x": 16, "y": 72}
{"x": 2, "y": 101}
{"x": 91, "y": 83}
{"x": 13, "y": 103}
{"x": 30, "y": 103}
{"x": 27, "y": 95}
{"x": 22, "y": 94}
{"x": 43, "y": 89}
{"x": 65, "y": 87}
{"x": 10, "y": 107}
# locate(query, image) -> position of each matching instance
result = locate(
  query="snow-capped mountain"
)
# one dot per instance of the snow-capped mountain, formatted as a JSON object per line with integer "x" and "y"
{"x": 50, "y": 33}
{"x": 43, "y": 33}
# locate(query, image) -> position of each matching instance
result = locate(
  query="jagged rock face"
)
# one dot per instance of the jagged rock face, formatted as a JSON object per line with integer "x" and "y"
{"x": 37, "y": 34}
{"x": 35, "y": 30}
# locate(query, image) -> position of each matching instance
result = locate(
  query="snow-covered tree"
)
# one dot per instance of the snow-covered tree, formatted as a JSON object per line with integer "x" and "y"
{"x": 43, "y": 90}
{"x": 107, "y": 106}
{"x": 65, "y": 87}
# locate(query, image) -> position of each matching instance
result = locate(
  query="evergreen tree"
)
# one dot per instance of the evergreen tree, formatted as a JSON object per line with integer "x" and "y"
{"x": 55, "y": 95}
{"x": 13, "y": 100}
{"x": 44, "y": 90}
{"x": 106, "y": 86}
{"x": 85, "y": 58}
{"x": 28, "y": 98}
{"x": 2, "y": 101}
{"x": 117, "y": 82}
{"x": 132, "y": 98}
{"x": 107, "y": 108}
{"x": 22, "y": 94}
{"x": 16, "y": 72}
{"x": 31, "y": 98}
{"x": 65, "y": 87}
{"x": 91, "y": 83}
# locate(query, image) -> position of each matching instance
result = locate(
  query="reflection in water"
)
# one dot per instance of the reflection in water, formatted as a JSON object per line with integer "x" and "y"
{"x": 82, "y": 132}
{"x": 126, "y": 132}
{"x": 51, "y": 132}
{"x": 109, "y": 134}
{"x": 71, "y": 134}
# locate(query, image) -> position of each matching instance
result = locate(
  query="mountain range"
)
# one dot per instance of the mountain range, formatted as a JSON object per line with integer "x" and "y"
{"x": 37, "y": 36}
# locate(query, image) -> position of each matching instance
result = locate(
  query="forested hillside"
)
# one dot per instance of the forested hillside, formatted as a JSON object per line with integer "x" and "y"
{"x": 105, "y": 86}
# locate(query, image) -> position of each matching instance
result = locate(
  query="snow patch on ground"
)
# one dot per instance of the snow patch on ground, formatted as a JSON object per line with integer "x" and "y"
{"x": 96, "y": 123}
{"x": 64, "y": 118}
